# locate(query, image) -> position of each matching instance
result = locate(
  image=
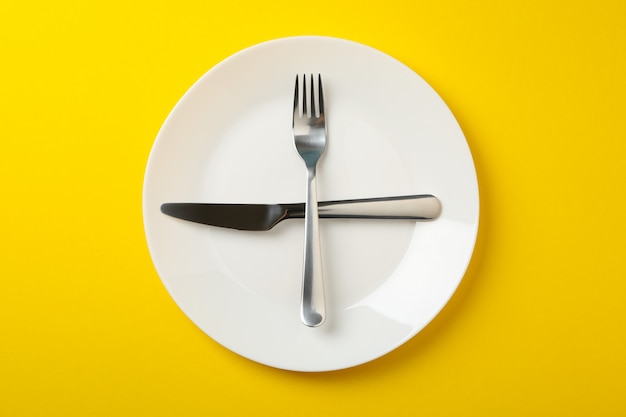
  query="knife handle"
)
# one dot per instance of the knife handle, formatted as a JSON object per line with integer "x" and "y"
{"x": 413, "y": 207}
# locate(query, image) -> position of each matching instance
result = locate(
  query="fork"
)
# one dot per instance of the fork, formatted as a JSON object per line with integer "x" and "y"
{"x": 309, "y": 135}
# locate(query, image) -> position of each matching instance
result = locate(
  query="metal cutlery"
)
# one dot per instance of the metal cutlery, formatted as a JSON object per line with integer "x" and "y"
{"x": 260, "y": 217}
{"x": 309, "y": 136}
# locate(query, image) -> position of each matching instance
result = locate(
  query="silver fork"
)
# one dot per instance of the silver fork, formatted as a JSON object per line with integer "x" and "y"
{"x": 309, "y": 136}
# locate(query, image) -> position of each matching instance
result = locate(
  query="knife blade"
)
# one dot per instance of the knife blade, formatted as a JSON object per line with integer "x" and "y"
{"x": 261, "y": 217}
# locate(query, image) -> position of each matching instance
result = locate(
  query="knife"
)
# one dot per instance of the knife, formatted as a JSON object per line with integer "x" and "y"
{"x": 260, "y": 217}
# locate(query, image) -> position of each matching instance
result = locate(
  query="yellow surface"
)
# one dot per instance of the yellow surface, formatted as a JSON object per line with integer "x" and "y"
{"x": 537, "y": 325}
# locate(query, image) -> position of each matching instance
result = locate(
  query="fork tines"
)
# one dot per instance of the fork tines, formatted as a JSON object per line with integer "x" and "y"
{"x": 305, "y": 103}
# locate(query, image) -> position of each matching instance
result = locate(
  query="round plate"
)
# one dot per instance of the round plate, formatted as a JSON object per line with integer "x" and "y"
{"x": 229, "y": 139}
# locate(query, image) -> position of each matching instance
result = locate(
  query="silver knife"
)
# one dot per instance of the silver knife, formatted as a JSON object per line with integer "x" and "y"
{"x": 261, "y": 217}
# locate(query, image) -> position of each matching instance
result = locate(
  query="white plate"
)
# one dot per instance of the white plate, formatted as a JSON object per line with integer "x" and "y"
{"x": 229, "y": 140}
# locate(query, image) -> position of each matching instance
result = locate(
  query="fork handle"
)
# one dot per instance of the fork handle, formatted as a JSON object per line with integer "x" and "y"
{"x": 313, "y": 305}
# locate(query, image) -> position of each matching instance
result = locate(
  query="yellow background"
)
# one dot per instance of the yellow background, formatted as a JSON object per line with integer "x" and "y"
{"x": 537, "y": 325}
